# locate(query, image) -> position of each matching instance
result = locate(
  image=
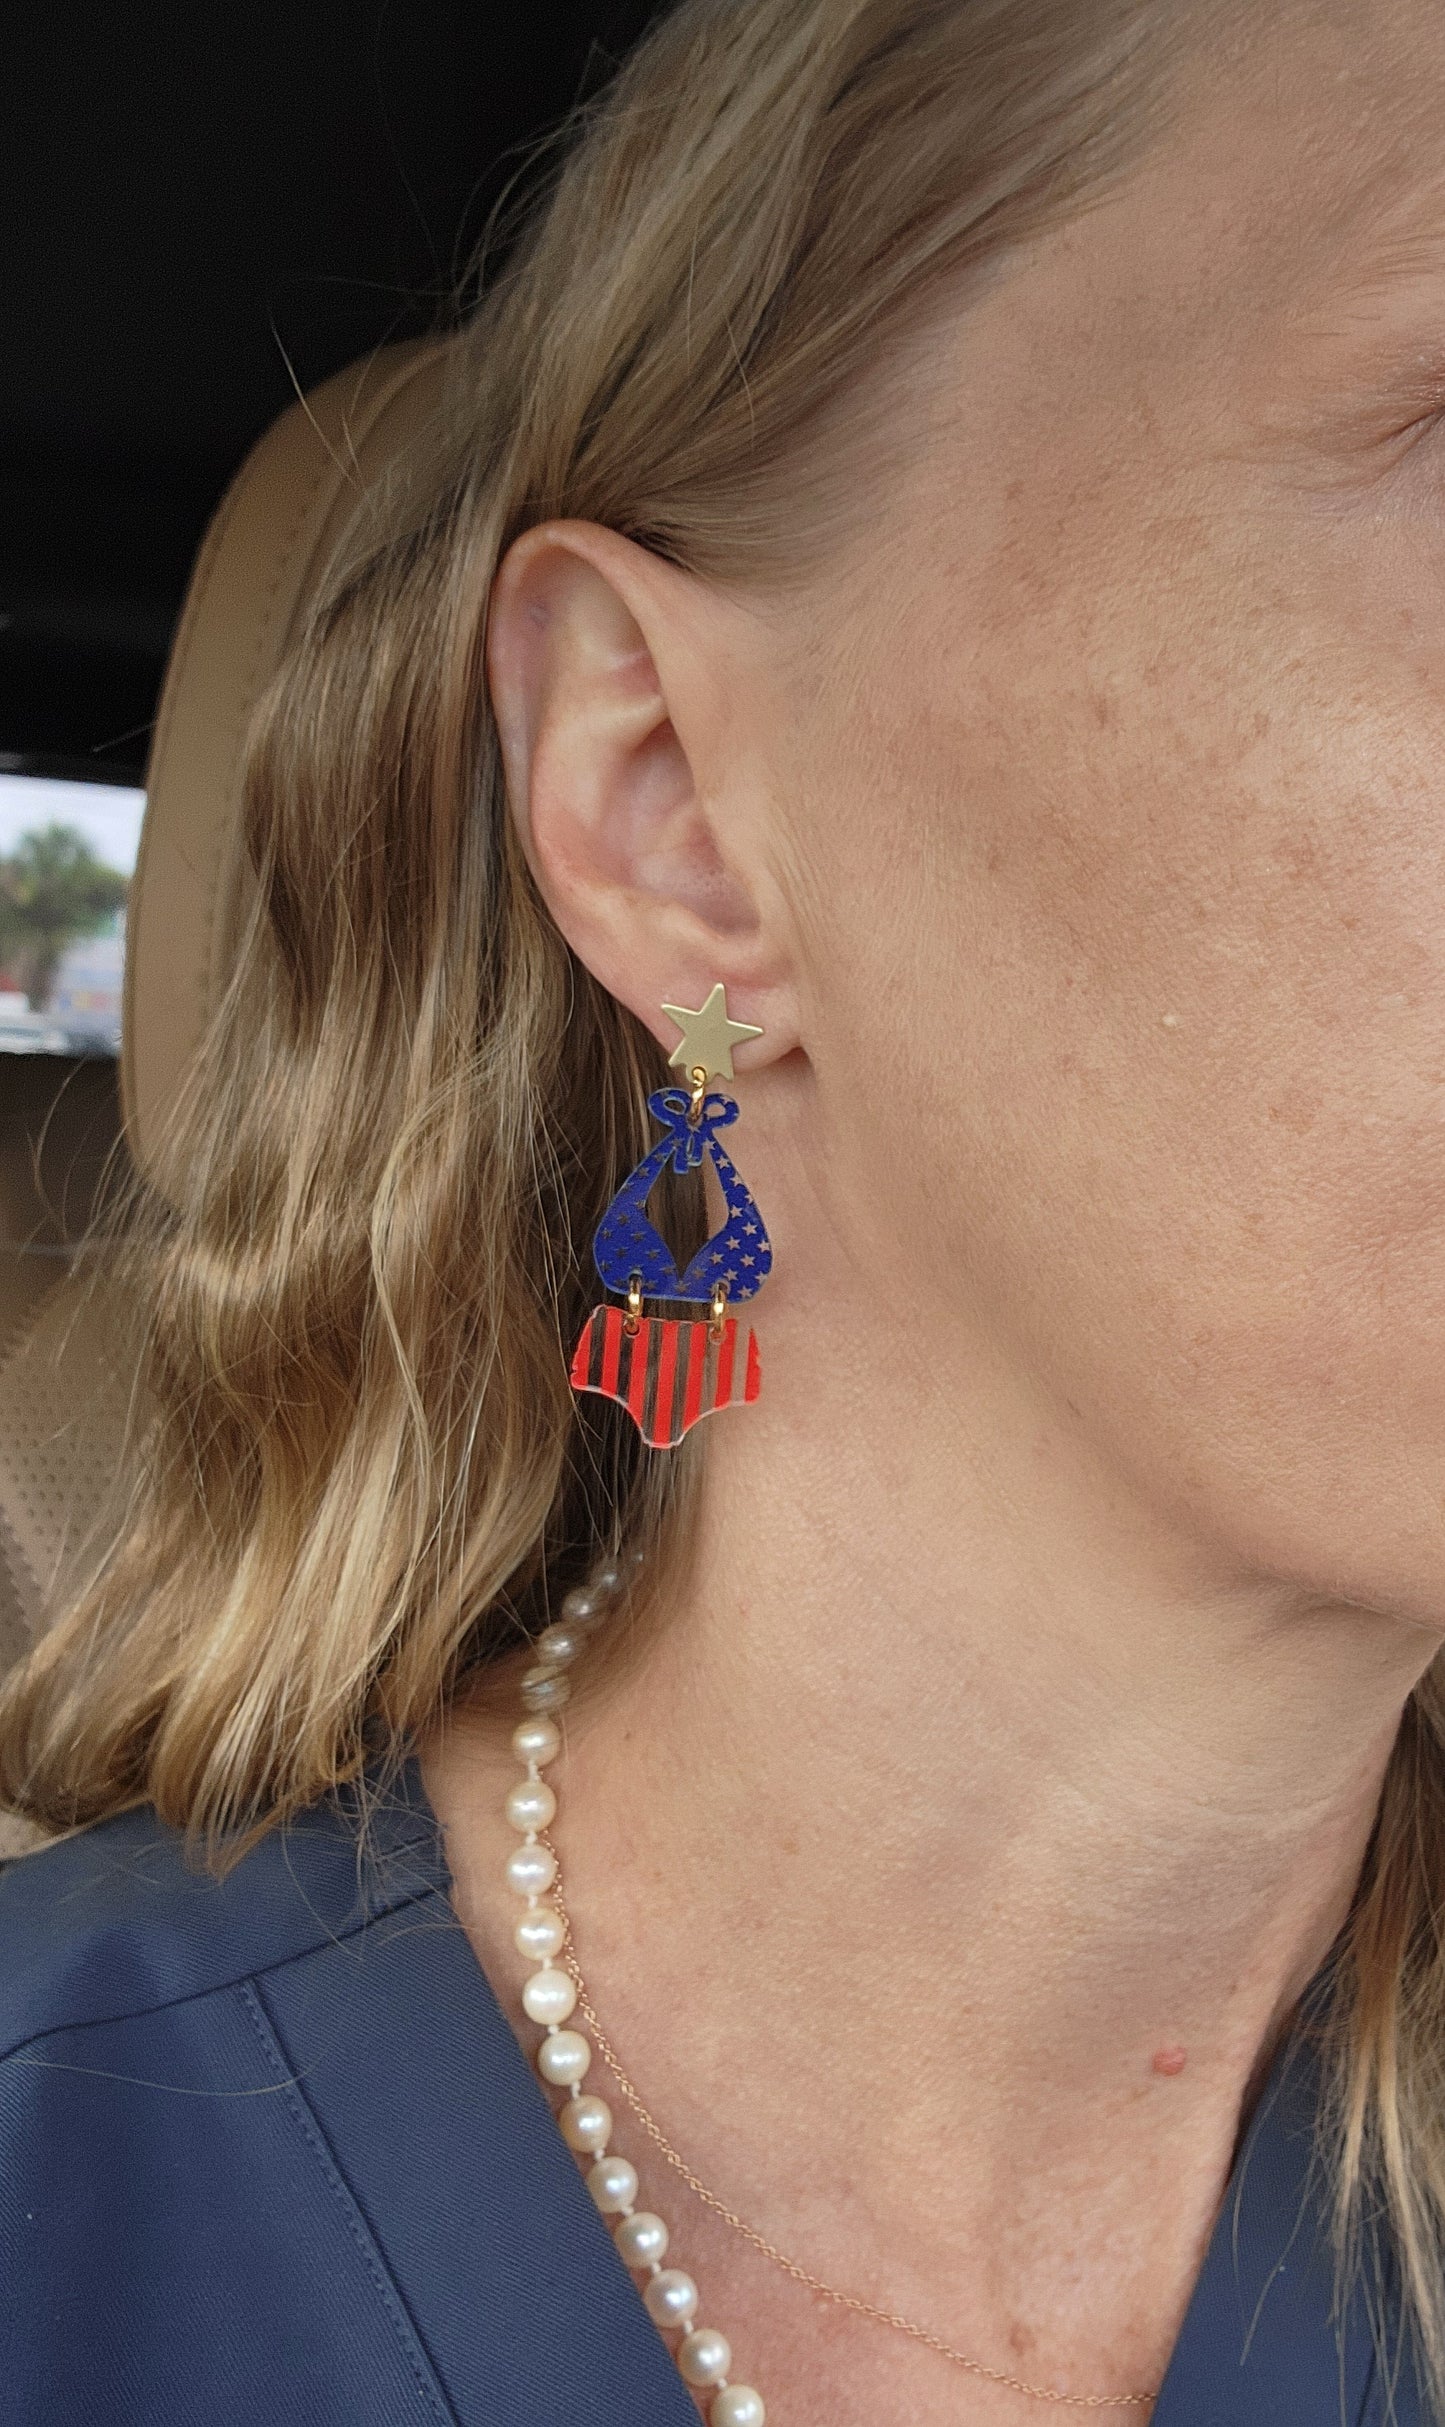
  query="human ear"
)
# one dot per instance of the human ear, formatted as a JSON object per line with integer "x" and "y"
{"x": 609, "y": 671}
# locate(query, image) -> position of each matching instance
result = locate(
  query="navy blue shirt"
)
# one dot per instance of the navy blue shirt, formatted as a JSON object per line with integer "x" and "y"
{"x": 272, "y": 2156}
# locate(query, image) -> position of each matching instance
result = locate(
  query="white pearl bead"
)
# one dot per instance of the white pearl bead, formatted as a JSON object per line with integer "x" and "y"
{"x": 705, "y": 2356}
{"x": 609, "y": 1580}
{"x": 540, "y": 1933}
{"x": 642, "y": 2239}
{"x": 559, "y": 1646}
{"x": 671, "y": 2297}
{"x": 736, "y": 2406}
{"x": 531, "y": 1870}
{"x": 545, "y": 1690}
{"x": 612, "y": 2182}
{"x": 531, "y": 1804}
{"x": 583, "y": 1608}
{"x": 549, "y": 1995}
{"x": 586, "y": 2124}
{"x": 563, "y": 2058}
{"x": 536, "y": 1740}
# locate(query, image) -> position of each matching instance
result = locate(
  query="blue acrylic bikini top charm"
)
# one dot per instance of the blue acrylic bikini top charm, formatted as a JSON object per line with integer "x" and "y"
{"x": 738, "y": 1257}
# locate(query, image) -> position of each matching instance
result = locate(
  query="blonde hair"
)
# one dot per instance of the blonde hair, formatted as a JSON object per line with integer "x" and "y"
{"x": 363, "y": 1475}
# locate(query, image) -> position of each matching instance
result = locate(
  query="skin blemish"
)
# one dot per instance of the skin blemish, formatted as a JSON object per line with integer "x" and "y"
{"x": 1170, "y": 2061}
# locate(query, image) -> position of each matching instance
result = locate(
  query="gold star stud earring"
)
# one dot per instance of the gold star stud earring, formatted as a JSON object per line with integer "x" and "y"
{"x": 708, "y": 1037}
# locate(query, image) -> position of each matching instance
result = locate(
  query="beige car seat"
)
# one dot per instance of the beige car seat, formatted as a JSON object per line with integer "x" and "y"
{"x": 67, "y": 1371}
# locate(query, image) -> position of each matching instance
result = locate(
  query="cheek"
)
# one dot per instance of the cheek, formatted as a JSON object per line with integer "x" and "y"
{"x": 1142, "y": 992}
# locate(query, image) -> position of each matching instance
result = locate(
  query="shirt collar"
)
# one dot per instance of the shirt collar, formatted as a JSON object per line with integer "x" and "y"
{"x": 1268, "y": 2340}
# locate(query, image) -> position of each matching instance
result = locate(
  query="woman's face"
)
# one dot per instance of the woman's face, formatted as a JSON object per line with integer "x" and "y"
{"x": 1111, "y": 772}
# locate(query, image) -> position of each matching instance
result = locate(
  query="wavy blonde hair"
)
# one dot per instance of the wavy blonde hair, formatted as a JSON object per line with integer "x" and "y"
{"x": 362, "y": 1474}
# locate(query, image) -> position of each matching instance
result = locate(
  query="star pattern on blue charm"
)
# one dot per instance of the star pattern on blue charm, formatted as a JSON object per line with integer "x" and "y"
{"x": 627, "y": 1242}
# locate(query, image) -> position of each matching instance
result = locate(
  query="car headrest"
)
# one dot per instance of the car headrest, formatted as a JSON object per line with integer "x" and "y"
{"x": 272, "y": 535}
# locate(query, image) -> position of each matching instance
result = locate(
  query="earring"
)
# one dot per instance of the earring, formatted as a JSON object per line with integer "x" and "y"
{"x": 667, "y": 1373}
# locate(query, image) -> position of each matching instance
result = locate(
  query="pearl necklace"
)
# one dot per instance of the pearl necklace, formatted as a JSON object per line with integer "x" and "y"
{"x": 551, "y": 1995}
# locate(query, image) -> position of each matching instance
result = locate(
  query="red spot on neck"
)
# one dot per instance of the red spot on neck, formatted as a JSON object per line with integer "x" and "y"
{"x": 1170, "y": 2060}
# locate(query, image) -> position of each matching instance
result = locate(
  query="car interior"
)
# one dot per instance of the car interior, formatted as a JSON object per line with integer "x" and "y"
{"x": 235, "y": 243}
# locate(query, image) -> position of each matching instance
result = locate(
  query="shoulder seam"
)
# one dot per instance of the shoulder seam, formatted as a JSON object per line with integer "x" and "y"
{"x": 232, "y": 1980}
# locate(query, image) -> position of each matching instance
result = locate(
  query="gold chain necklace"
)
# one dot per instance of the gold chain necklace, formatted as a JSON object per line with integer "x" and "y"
{"x": 769, "y": 2250}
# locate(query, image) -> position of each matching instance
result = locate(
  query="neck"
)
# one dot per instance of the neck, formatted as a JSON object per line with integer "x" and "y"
{"x": 981, "y": 1703}
{"x": 959, "y": 1793}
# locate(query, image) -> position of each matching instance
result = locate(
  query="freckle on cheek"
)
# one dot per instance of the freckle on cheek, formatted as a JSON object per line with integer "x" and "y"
{"x": 1170, "y": 2060}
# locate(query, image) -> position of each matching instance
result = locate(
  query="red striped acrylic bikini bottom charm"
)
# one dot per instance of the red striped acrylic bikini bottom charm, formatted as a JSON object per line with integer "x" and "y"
{"x": 667, "y": 1373}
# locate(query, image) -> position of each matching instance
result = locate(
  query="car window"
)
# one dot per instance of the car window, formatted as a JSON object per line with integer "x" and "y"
{"x": 67, "y": 854}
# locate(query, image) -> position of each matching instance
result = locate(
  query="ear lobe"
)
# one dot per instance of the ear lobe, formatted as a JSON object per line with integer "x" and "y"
{"x": 602, "y": 684}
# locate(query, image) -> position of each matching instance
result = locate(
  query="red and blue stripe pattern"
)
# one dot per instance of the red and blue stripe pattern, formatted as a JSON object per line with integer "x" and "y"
{"x": 668, "y": 1374}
